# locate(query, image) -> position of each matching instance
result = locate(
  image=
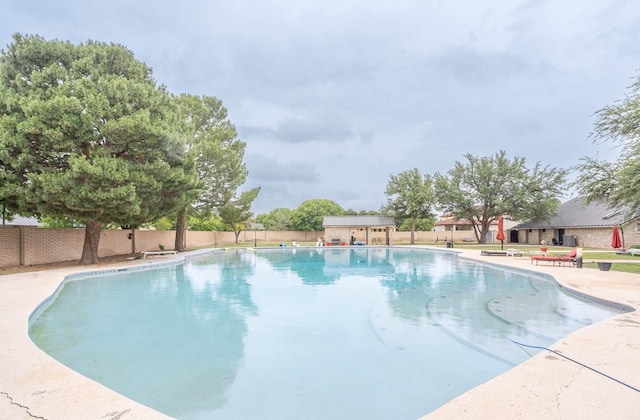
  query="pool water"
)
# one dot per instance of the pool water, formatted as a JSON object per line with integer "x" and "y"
{"x": 365, "y": 333}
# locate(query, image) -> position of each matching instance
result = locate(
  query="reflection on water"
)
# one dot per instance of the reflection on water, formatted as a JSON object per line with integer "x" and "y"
{"x": 134, "y": 332}
{"x": 305, "y": 333}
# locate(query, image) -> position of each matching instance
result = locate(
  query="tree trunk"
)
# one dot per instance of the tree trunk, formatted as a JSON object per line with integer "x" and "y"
{"x": 485, "y": 224}
{"x": 132, "y": 236}
{"x": 181, "y": 223}
{"x": 413, "y": 229}
{"x": 91, "y": 242}
{"x": 477, "y": 232}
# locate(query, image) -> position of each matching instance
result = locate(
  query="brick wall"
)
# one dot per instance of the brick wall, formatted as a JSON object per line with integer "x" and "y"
{"x": 46, "y": 245}
{"x": 277, "y": 236}
{"x": 30, "y": 245}
{"x": 435, "y": 237}
{"x": 601, "y": 237}
{"x": 10, "y": 246}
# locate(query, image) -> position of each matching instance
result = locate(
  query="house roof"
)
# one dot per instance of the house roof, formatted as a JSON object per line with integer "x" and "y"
{"x": 358, "y": 221}
{"x": 22, "y": 221}
{"x": 461, "y": 222}
{"x": 576, "y": 213}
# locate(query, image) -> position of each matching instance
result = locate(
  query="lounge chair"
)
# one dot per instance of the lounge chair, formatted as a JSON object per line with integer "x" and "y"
{"x": 569, "y": 257}
{"x": 494, "y": 253}
{"x": 513, "y": 252}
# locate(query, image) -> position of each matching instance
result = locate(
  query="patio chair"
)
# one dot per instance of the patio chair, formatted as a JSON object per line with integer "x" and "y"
{"x": 569, "y": 257}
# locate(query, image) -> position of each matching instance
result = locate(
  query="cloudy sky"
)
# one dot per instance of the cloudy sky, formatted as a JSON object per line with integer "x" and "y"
{"x": 332, "y": 97}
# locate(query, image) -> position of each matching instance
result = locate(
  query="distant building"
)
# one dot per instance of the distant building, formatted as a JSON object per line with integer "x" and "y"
{"x": 366, "y": 230}
{"x": 447, "y": 223}
{"x": 21, "y": 221}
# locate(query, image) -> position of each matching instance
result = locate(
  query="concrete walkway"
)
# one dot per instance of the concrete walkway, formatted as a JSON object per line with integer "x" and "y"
{"x": 547, "y": 386}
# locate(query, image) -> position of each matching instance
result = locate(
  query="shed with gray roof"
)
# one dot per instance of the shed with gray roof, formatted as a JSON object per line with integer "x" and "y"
{"x": 361, "y": 230}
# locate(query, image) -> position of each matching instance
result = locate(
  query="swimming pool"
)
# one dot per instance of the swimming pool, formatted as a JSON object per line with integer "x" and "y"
{"x": 305, "y": 333}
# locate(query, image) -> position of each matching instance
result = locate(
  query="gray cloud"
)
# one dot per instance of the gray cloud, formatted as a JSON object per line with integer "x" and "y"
{"x": 333, "y": 97}
{"x": 328, "y": 127}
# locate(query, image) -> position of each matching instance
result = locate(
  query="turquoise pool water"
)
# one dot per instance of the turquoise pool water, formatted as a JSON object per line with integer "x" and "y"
{"x": 365, "y": 333}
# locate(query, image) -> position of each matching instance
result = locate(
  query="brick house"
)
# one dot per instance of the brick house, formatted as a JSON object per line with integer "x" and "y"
{"x": 579, "y": 224}
{"x": 368, "y": 230}
{"x": 448, "y": 223}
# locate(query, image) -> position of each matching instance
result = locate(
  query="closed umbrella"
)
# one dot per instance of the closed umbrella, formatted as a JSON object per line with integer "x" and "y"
{"x": 500, "y": 235}
{"x": 616, "y": 241}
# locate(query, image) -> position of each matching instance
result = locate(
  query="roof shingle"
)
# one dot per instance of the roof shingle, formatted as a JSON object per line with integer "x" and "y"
{"x": 576, "y": 213}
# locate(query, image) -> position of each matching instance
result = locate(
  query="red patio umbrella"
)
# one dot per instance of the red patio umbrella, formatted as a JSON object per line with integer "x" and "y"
{"x": 500, "y": 235}
{"x": 616, "y": 242}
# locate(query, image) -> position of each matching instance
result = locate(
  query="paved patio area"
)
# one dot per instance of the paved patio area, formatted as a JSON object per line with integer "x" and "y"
{"x": 33, "y": 385}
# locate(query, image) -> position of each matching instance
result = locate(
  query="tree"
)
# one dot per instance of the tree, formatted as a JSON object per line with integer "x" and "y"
{"x": 7, "y": 216}
{"x": 204, "y": 221}
{"x": 369, "y": 213}
{"x": 277, "y": 219}
{"x": 597, "y": 179}
{"x": 421, "y": 224}
{"x": 310, "y": 214}
{"x": 213, "y": 144}
{"x": 163, "y": 223}
{"x": 59, "y": 222}
{"x": 485, "y": 188}
{"x": 236, "y": 213}
{"x": 165, "y": 189}
{"x": 410, "y": 196}
{"x": 615, "y": 183}
{"x": 83, "y": 135}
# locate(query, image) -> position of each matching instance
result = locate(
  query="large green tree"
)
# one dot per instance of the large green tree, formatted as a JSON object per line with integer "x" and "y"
{"x": 83, "y": 133}
{"x": 615, "y": 183}
{"x": 237, "y": 212}
{"x": 310, "y": 214}
{"x": 277, "y": 219}
{"x": 214, "y": 147}
{"x": 204, "y": 221}
{"x": 485, "y": 188}
{"x": 172, "y": 188}
{"x": 424, "y": 224}
{"x": 410, "y": 196}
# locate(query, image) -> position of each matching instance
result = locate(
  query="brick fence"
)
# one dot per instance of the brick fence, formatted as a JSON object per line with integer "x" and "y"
{"x": 30, "y": 245}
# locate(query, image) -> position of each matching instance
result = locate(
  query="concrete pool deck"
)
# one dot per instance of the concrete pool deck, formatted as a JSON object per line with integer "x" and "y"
{"x": 33, "y": 385}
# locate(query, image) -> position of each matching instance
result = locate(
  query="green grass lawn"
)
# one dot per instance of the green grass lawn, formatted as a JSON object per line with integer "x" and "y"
{"x": 627, "y": 268}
